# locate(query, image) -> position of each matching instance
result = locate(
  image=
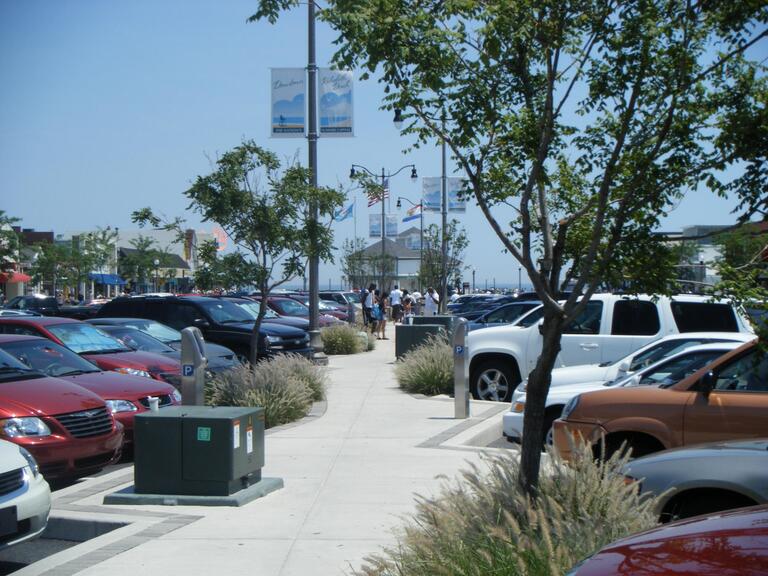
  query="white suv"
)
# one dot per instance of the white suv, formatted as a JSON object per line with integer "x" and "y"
{"x": 610, "y": 327}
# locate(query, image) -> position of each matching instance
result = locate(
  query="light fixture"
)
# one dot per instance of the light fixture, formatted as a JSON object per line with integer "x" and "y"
{"x": 413, "y": 174}
{"x": 352, "y": 172}
{"x": 398, "y": 119}
{"x": 399, "y": 203}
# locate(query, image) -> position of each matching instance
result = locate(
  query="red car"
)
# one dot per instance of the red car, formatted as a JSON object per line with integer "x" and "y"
{"x": 124, "y": 395}
{"x": 726, "y": 544}
{"x": 92, "y": 344}
{"x": 68, "y": 429}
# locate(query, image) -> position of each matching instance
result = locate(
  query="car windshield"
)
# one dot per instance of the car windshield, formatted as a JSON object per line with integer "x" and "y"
{"x": 157, "y": 330}
{"x": 11, "y": 369}
{"x": 663, "y": 350}
{"x": 253, "y": 309}
{"x": 226, "y": 312}
{"x": 291, "y": 307}
{"x": 353, "y": 297}
{"x": 138, "y": 340}
{"x": 671, "y": 371}
{"x": 48, "y": 357}
{"x": 531, "y": 318}
{"x": 86, "y": 339}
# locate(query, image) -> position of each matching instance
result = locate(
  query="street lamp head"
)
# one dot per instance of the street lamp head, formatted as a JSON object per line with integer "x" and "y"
{"x": 413, "y": 174}
{"x": 157, "y": 262}
{"x": 398, "y": 119}
{"x": 399, "y": 203}
{"x": 352, "y": 172}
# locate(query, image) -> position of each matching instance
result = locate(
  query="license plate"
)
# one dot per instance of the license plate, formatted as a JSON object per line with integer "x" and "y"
{"x": 8, "y": 521}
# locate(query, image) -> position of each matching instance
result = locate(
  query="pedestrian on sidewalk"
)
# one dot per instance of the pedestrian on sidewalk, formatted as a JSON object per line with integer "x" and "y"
{"x": 431, "y": 302}
{"x": 395, "y": 300}
{"x": 368, "y": 301}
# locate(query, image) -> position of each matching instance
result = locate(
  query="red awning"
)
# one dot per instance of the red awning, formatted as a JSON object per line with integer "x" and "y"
{"x": 16, "y": 277}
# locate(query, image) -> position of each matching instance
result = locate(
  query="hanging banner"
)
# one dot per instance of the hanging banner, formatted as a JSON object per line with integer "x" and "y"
{"x": 431, "y": 194}
{"x": 374, "y": 225}
{"x": 335, "y": 106}
{"x": 288, "y": 108}
{"x": 391, "y": 229}
{"x": 454, "y": 187}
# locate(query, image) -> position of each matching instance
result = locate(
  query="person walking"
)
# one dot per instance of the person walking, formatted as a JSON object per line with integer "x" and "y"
{"x": 382, "y": 325}
{"x": 431, "y": 302}
{"x": 396, "y": 301}
{"x": 368, "y": 302}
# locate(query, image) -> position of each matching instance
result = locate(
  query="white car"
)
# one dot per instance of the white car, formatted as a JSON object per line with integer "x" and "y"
{"x": 25, "y": 498}
{"x": 641, "y": 358}
{"x": 668, "y": 370}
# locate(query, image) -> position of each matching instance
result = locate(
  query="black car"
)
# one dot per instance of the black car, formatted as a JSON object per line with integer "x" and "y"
{"x": 219, "y": 320}
{"x": 45, "y": 305}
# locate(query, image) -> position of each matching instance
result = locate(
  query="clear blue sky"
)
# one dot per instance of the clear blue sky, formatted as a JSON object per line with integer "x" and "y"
{"x": 109, "y": 106}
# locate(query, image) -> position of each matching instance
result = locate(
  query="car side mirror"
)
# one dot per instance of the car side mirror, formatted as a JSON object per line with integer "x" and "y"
{"x": 624, "y": 367}
{"x": 707, "y": 384}
{"x": 201, "y": 323}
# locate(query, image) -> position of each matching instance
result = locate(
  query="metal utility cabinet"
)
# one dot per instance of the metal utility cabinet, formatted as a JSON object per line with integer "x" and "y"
{"x": 198, "y": 450}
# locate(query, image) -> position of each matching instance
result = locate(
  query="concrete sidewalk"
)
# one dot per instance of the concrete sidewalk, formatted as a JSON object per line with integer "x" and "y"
{"x": 350, "y": 475}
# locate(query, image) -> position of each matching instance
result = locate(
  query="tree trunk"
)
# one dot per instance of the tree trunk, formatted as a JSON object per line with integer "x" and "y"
{"x": 535, "y": 401}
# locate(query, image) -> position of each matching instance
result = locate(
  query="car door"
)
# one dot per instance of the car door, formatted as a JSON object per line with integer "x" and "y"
{"x": 582, "y": 341}
{"x": 737, "y": 406}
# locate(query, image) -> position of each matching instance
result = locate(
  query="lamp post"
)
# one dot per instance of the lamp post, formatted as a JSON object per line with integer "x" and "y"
{"x": 421, "y": 231}
{"x": 384, "y": 177}
{"x": 157, "y": 265}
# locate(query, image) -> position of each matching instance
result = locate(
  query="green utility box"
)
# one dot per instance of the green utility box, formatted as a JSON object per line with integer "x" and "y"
{"x": 198, "y": 450}
{"x": 445, "y": 320}
{"x": 409, "y": 337}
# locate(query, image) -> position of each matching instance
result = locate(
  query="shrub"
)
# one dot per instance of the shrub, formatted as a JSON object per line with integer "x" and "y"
{"x": 341, "y": 339}
{"x": 483, "y": 523}
{"x": 284, "y": 386}
{"x": 428, "y": 368}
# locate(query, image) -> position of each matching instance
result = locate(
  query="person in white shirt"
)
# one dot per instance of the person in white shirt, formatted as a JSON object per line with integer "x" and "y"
{"x": 431, "y": 302}
{"x": 368, "y": 308}
{"x": 396, "y": 302}
{"x": 416, "y": 296}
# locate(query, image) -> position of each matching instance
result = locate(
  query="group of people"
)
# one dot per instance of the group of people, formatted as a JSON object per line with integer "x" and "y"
{"x": 402, "y": 304}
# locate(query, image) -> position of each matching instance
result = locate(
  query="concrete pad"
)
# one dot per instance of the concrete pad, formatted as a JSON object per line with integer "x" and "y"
{"x": 127, "y": 496}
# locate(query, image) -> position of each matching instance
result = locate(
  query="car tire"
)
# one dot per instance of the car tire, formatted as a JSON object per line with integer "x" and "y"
{"x": 548, "y": 430}
{"x": 494, "y": 380}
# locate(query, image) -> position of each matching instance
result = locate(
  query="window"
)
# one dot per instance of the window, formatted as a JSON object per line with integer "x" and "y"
{"x": 84, "y": 338}
{"x": 749, "y": 373}
{"x": 674, "y": 370}
{"x": 22, "y": 330}
{"x": 183, "y": 315}
{"x": 635, "y": 318}
{"x": 663, "y": 350}
{"x": 588, "y": 321}
{"x": 704, "y": 317}
{"x": 531, "y": 318}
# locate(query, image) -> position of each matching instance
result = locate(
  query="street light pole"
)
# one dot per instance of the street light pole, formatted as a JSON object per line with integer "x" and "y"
{"x": 444, "y": 215}
{"x": 383, "y": 233}
{"x": 314, "y": 260}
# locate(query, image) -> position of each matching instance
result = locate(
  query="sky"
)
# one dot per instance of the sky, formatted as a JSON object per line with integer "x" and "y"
{"x": 110, "y": 106}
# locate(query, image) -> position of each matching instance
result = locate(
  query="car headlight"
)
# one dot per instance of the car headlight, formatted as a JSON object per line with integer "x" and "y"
{"x": 22, "y": 427}
{"x": 30, "y": 460}
{"x": 570, "y": 407}
{"x": 133, "y": 372}
{"x": 176, "y": 396}
{"x": 116, "y": 406}
{"x": 274, "y": 339}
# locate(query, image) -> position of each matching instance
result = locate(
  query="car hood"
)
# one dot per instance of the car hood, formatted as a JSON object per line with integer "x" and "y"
{"x": 40, "y": 396}
{"x": 114, "y": 386}
{"x": 10, "y": 457}
{"x": 295, "y": 321}
{"x": 579, "y": 374}
{"x": 137, "y": 359}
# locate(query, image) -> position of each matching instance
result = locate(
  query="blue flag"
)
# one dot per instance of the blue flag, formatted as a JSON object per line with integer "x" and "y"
{"x": 344, "y": 213}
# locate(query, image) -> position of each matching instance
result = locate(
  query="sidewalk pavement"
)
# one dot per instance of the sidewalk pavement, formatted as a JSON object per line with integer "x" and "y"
{"x": 350, "y": 476}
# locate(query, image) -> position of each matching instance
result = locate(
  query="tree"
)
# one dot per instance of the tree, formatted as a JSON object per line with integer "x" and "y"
{"x": 10, "y": 243}
{"x": 264, "y": 208}
{"x": 577, "y": 125}
{"x": 435, "y": 272}
{"x": 139, "y": 263}
{"x": 354, "y": 264}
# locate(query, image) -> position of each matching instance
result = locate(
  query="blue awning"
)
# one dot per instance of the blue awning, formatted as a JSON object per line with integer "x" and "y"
{"x": 107, "y": 279}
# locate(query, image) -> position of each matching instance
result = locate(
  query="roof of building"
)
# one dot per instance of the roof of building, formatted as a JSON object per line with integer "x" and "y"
{"x": 171, "y": 260}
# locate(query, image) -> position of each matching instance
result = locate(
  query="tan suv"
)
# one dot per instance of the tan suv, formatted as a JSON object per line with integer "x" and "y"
{"x": 728, "y": 399}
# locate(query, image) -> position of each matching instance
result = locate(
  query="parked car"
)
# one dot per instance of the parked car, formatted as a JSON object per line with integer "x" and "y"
{"x": 49, "y": 306}
{"x": 219, "y": 320}
{"x": 290, "y": 307}
{"x": 327, "y": 307}
{"x": 98, "y": 347}
{"x": 253, "y": 307}
{"x": 610, "y": 327}
{"x": 504, "y": 314}
{"x": 350, "y": 301}
{"x": 7, "y": 312}
{"x": 25, "y": 498}
{"x": 704, "y": 479}
{"x": 640, "y": 358}
{"x": 726, "y": 400}
{"x": 124, "y": 395}
{"x": 68, "y": 429}
{"x": 726, "y": 544}
{"x": 220, "y": 358}
{"x": 668, "y": 370}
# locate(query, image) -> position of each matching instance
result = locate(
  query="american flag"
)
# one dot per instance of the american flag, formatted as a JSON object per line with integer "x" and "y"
{"x": 374, "y": 195}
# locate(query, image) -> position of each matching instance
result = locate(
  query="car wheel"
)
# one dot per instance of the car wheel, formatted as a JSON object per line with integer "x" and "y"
{"x": 549, "y": 429}
{"x": 494, "y": 381}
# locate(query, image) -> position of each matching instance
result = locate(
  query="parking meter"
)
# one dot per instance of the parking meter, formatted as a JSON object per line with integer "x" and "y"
{"x": 460, "y": 370}
{"x": 193, "y": 364}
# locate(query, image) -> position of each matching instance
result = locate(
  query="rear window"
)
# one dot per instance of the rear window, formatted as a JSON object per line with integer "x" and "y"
{"x": 635, "y": 318}
{"x": 704, "y": 317}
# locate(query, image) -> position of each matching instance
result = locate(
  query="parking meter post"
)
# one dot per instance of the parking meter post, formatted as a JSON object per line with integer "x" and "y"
{"x": 193, "y": 365}
{"x": 460, "y": 370}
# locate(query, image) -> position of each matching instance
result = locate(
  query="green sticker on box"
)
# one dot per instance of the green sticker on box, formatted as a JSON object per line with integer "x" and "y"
{"x": 203, "y": 434}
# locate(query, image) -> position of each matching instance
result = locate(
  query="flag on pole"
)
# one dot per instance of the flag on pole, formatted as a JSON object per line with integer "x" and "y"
{"x": 375, "y": 195}
{"x": 413, "y": 213}
{"x": 345, "y": 213}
